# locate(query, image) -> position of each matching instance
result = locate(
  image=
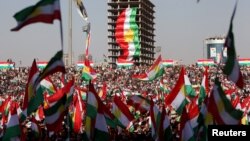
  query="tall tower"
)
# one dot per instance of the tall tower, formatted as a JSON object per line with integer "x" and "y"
{"x": 215, "y": 49}
{"x": 145, "y": 20}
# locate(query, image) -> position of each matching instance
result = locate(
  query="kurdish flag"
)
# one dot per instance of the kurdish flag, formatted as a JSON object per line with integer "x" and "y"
{"x": 12, "y": 130}
{"x": 44, "y": 11}
{"x": 6, "y": 65}
{"x": 95, "y": 125}
{"x": 41, "y": 65}
{"x": 188, "y": 86}
{"x": 77, "y": 114}
{"x": 55, "y": 65}
{"x": 204, "y": 88}
{"x": 232, "y": 68}
{"x": 177, "y": 97}
{"x": 163, "y": 87}
{"x": 167, "y": 63}
{"x": 126, "y": 64}
{"x": 121, "y": 112}
{"x": 244, "y": 61}
{"x": 221, "y": 108}
{"x": 48, "y": 86}
{"x": 88, "y": 73}
{"x": 29, "y": 90}
{"x": 126, "y": 34}
{"x": 155, "y": 71}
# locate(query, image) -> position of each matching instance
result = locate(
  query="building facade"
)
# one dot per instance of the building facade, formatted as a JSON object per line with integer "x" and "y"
{"x": 145, "y": 20}
{"x": 215, "y": 49}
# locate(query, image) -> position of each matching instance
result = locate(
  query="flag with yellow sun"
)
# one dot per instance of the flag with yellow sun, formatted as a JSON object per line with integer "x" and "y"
{"x": 126, "y": 34}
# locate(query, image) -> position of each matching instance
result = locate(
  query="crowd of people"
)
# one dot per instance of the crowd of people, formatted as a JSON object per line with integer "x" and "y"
{"x": 119, "y": 80}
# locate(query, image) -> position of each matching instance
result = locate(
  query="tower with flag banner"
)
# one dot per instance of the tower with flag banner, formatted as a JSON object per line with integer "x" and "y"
{"x": 137, "y": 40}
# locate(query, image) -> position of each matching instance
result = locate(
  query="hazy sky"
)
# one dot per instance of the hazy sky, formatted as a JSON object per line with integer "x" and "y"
{"x": 181, "y": 26}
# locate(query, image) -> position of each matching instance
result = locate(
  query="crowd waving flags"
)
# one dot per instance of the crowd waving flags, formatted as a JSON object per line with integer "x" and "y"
{"x": 184, "y": 113}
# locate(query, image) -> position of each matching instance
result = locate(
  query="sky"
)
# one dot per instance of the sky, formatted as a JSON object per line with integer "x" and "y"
{"x": 180, "y": 28}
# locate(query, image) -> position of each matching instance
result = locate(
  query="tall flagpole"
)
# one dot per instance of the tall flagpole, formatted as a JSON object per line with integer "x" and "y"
{"x": 70, "y": 60}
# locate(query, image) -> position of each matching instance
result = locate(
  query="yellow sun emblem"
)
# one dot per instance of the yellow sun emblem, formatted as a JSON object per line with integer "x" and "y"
{"x": 129, "y": 35}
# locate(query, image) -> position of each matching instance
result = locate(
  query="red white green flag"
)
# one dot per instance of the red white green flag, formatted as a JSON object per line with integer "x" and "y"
{"x": 95, "y": 124}
{"x": 204, "y": 88}
{"x": 126, "y": 34}
{"x": 221, "y": 108}
{"x": 45, "y": 11}
{"x": 155, "y": 71}
{"x": 88, "y": 73}
{"x": 177, "y": 97}
{"x": 13, "y": 130}
{"x": 121, "y": 112}
{"x": 29, "y": 89}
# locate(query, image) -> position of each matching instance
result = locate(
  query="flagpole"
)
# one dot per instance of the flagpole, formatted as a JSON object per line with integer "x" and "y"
{"x": 70, "y": 33}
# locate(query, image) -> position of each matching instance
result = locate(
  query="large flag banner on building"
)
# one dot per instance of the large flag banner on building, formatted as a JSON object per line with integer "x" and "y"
{"x": 232, "y": 67}
{"x": 45, "y": 11}
{"x": 126, "y": 33}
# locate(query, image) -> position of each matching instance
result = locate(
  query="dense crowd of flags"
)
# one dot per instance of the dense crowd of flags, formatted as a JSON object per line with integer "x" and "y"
{"x": 42, "y": 100}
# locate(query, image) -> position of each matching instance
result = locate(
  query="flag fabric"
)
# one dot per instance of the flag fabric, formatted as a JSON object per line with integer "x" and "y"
{"x": 88, "y": 73}
{"x": 232, "y": 68}
{"x": 54, "y": 113}
{"x": 54, "y": 65}
{"x": 177, "y": 98}
{"x": 47, "y": 85}
{"x": 139, "y": 102}
{"x": 86, "y": 29}
{"x": 187, "y": 133}
{"x": 45, "y": 11}
{"x": 221, "y": 108}
{"x": 188, "y": 86}
{"x": 155, "y": 71}
{"x": 245, "y": 119}
{"x": 121, "y": 112}
{"x": 95, "y": 125}
{"x": 155, "y": 116}
{"x": 29, "y": 89}
{"x": 165, "y": 120}
{"x": 81, "y": 9}
{"x": 125, "y": 64}
{"x": 77, "y": 114}
{"x": 205, "y": 118}
{"x": 163, "y": 87}
{"x": 103, "y": 91}
{"x": 204, "y": 88}
{"x": 193, "y": 115}
{"x": 13, "y": 130}
{"x": 161, "y": 130}
{"x": 39, "y": 115}
{"x": 126, "y": 33}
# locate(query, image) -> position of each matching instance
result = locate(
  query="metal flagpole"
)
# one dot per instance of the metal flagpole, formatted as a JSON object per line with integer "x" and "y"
{"x": 70, "y": 34}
